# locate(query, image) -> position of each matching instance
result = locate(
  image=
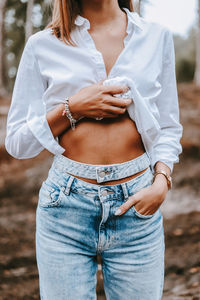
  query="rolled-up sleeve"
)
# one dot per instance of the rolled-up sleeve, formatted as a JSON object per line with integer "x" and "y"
{"x": 27, "y": 130}
{"x": 168, "y": 146}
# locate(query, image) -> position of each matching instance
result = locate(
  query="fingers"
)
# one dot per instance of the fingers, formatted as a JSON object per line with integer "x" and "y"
{"x": 125, "y": 206}
{"x": 114, "y": 105}
{"x": 110, "y": 109}
{"x": 107, "y": 93}
{"x": 114, "y": 89}
{"x": 109, "y": 105}
{"x": 119, "y": 101}
{"x": 115, "y": 110}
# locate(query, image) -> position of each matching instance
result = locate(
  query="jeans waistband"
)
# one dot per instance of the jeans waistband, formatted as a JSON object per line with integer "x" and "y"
{"x": 101, "y": 173}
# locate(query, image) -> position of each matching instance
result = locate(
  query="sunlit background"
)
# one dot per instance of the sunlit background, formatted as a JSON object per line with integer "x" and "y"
{"x": 178, "y": 15}
{"x": 20, "y": 180}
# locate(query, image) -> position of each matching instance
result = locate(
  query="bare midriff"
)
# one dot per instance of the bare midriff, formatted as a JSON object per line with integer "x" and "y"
{"x": 108, "y": 141}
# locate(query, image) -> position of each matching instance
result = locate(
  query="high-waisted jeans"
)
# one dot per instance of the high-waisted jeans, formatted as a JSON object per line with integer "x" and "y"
{"x": 75, "y": 222}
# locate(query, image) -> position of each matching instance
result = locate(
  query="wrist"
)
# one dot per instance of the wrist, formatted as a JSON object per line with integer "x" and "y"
{"x": 165, "y": 175}
{"x": 72, "y": 107}
{"x": 160, "y": 186}
{"x": 161, "y": 181}
{"x": 159, "y": 165}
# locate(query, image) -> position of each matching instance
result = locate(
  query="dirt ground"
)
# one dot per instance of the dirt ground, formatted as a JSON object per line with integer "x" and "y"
{"x": 20, "y": 181}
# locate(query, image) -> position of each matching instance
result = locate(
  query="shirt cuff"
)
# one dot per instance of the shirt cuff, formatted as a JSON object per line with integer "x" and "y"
{"x": 41, "y": 130}
{"x": 170, "y": 164}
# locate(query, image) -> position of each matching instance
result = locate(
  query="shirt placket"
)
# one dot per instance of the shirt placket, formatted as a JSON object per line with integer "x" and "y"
{"x": 96, "y": 56}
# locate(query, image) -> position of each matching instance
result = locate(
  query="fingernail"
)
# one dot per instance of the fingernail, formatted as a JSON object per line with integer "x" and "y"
{"x": 118, "y": 212}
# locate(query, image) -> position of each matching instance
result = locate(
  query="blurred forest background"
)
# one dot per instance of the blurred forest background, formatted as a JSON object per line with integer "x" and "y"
{"x": 20, "y": 180}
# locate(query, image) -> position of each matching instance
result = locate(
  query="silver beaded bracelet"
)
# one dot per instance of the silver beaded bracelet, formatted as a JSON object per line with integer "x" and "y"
{"x": 67, "y": 112}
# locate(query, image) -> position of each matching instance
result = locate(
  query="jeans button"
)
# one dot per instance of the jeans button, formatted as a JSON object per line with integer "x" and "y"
{"x": 104, "y": 193}
{"x": 102, "y": 174}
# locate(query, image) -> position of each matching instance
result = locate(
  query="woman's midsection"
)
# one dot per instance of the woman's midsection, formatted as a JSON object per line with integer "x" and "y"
{"x": 109, "y": 141}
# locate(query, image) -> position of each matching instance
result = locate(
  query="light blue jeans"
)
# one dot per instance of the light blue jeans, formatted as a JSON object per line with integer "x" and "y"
{"x": 75, "y": 222}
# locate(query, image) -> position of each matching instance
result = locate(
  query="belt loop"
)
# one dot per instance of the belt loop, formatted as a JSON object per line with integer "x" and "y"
{"x": 69, "y": 183}
{"x": 125, "y": 190}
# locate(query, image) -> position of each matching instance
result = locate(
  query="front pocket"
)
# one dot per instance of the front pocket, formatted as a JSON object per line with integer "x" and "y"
{"x": 49, "y": 195}
{"x": 139, "y": 215}
{"x": 145, "y": 180}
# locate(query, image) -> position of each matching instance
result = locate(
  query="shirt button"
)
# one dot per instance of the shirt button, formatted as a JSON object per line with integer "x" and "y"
{"x": 104, "y": 193}
{"x": 102, "y": 174}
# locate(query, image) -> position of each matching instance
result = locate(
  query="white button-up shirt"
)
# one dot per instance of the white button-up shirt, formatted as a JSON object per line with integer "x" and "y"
{"x": 50, "y": 70}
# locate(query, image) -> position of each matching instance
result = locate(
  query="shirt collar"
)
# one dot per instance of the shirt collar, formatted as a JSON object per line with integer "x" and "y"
{"x": 133, "y": 17}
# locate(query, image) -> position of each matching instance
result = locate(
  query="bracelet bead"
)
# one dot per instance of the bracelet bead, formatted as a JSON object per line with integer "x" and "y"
{"x": 67, "y": 112}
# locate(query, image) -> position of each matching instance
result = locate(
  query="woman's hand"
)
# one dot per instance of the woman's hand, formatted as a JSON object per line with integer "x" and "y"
{"x": 148, "y": 199}
{"x": 97, "y": 100}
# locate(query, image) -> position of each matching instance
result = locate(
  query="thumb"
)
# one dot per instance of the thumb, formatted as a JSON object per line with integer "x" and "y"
{"x": 125, "y": 206}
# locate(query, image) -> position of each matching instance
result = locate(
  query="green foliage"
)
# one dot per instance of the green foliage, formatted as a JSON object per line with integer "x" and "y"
{"x": 185, "y": 57}
{"x": 185, "y": 70}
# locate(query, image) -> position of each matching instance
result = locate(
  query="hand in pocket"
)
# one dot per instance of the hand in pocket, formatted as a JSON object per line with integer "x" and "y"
{"x": 146, "y": 201}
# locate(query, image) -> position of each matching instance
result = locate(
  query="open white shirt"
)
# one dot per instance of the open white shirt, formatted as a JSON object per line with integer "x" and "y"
{"x": 50, "y": 70}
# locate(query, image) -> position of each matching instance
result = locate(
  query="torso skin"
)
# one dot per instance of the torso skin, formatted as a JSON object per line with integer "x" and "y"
{"x": 111, "y": 140}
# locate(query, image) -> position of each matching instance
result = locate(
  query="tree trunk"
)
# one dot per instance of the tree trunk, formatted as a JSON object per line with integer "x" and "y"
{"x": 197, "y": 69}
{"x": 29, "y": 24}
{"x": 3, "y": 91}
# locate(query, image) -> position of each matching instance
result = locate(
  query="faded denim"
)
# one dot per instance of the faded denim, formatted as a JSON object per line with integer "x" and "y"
{"x": 75, "y": 222}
